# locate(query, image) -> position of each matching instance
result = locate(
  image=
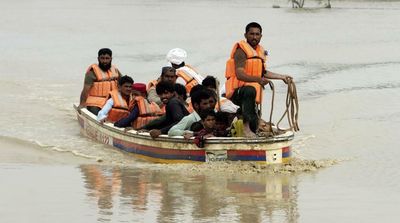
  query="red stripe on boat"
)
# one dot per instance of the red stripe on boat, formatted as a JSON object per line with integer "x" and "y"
{"x": 161, "y": 151}
{"x": 246, "y": 153}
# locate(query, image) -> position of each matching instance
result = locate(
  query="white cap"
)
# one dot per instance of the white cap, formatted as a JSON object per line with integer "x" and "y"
{"x": 176, "y": 56}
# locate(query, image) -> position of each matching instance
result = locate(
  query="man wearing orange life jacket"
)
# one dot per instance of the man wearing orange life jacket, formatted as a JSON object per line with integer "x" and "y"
{"x": 168, "y": 74}
{"x": 100, "y": 79}
{"x": 187, "y": 75}
{"x": 247, "y": 75}
{"x": 120, "y": 102}
{"x": 143, "y": 111}
{"x": 180, "y": 95}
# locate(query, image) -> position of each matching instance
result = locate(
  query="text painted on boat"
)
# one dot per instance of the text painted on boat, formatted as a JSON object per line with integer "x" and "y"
{"x": 92, "y": 132}
{"x": 216, "y": 156}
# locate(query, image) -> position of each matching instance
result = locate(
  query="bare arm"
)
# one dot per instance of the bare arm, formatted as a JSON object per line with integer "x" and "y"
{"x": 89, "y": 80}
{"x": 272, "y": 75}
{"x": 84, "y": 95}
{"x": 240, "y": 62}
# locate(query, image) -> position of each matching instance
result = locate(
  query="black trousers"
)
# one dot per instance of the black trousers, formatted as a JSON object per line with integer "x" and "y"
{"x": 93, "y": 109}
{"x": 245, "y": 97}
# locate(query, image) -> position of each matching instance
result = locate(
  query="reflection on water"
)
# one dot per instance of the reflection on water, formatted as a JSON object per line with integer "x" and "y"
{"x": 143, "y": 194}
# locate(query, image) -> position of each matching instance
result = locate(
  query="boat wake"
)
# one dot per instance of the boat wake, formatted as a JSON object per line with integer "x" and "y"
{"x": 296, "y": 165}
{"x": 35, "y": 144}
{"x": 73, "y": 152}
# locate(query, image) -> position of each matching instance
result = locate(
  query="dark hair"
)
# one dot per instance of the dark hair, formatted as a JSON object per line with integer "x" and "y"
{"x": 104, "y": 51}
{"x": 195, "y": 89}
{"x": 210, "y": 81}
{"x": 125, "y": 79}
{"x": 222, "y": 117}
{"x": 200, "y": 95}
{"x": 180, "y": 90}
{"x": 196, "y": 127}
{"x": 166, "y": 69}
{"x": 239, "y": 111}
{"x": 163, "y": 87}
{"x": 212, "y": 94}
{"x": 205, "y": 113}
{"x": 253, "y": 25}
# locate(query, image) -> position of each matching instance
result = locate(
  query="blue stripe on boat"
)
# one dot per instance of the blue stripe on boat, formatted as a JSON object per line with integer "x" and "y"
{"x": 160, "y": 156}
{"x": 287, "y": 154}
{"x": 247, "y": 158}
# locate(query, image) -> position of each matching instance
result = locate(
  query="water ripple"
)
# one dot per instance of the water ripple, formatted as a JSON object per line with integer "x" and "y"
{"x": 320, "y": 93}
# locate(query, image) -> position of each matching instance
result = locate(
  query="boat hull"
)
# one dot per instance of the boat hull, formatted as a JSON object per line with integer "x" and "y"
{"x": 177, "y": 150}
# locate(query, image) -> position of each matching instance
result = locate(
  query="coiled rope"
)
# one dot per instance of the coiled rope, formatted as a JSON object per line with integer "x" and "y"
{"x": 292, "y": 107}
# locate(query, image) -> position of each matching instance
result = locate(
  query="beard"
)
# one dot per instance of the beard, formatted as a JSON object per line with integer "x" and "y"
{"x": 105, "y": 67}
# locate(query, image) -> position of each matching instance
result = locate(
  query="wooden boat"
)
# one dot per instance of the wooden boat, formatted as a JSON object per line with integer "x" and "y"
{"x": 164, "y": 149}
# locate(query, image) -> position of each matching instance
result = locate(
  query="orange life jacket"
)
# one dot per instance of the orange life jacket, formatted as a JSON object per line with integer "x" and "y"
{"x": 121, "y": 107}
{"x": 147, "y": 111}
{"x": 105, "y": 82}
{"x": 254, "y": 67}
{"x": 186, "y": 73}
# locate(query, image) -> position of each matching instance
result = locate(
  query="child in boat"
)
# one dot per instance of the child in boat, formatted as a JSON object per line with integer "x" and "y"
{"x": 208, "y": 121}
{"x": 222, "y": 124}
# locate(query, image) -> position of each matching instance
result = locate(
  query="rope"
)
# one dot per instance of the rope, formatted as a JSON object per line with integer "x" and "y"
{"x": 292, "y": 108}
{"x": 271, "y": 85}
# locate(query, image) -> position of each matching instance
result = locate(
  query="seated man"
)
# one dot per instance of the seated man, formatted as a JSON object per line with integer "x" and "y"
{"x": 168, "y": 74}
{"x": 120, "y": 102}
{"x": 143, "y": 110}
{"x": 180, "y": 94}
{"x": 246, "y": 75}
{"x": 100, "y": 79}
{"x": 200, "y": 101}
{"x": 174, "y": 109}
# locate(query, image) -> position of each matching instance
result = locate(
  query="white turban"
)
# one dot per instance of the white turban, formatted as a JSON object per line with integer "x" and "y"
{"x": 176, "y": 56}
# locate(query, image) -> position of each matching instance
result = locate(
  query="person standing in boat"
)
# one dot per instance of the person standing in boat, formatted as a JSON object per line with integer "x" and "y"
{"x": 168, "y": 74}
{"x": 247, "y": 75}
{"x": 100, "y": 79}
{"x": 187, "y": 75}
{"x": 120, "y": 102}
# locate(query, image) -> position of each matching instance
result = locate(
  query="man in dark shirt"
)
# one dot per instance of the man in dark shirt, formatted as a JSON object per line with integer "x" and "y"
{"x": 175, "y": 110}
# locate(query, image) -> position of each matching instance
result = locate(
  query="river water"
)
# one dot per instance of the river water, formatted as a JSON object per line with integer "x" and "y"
{"x": 344, "y": 60}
